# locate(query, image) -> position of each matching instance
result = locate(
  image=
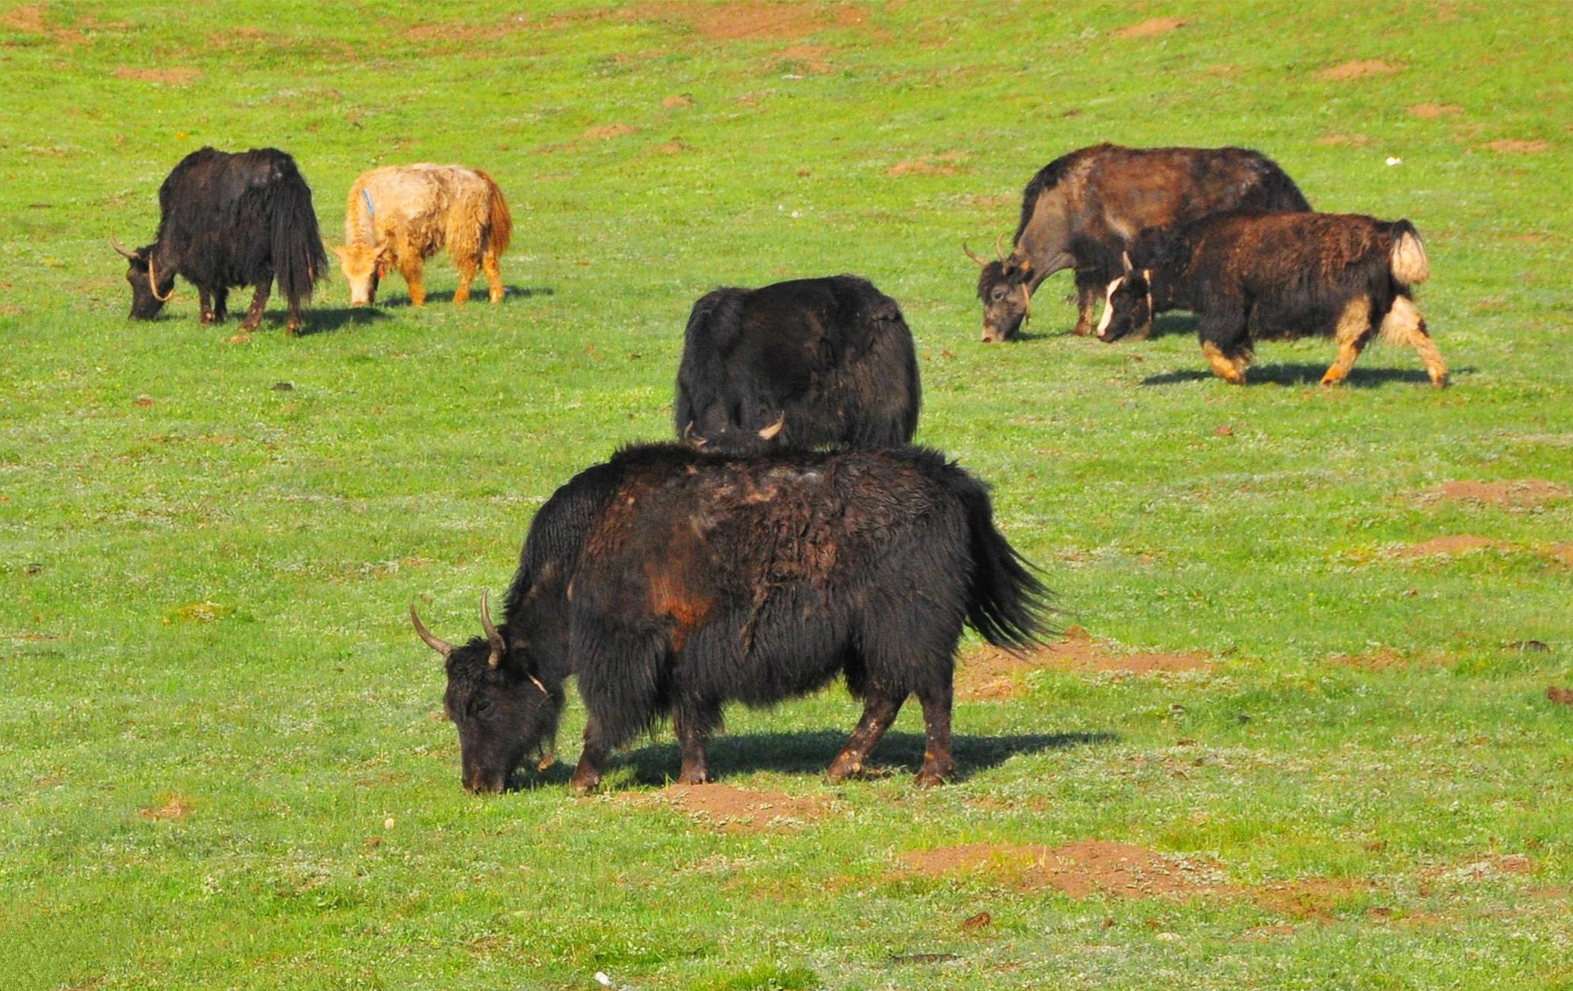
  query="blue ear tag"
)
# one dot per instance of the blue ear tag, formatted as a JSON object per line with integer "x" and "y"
{"x": 366, "y": 194}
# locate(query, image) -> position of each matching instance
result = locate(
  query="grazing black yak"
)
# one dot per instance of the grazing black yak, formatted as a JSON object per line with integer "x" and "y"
{"x": 1083, "y": 209}
{"x": 797, "y": 364}
{"x": 671, "y": 581}
{"x": 1250, "y": 275}
{"x": 230, "y": 220}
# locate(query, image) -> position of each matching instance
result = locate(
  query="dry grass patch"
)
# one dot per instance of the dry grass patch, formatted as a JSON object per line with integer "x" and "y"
{"x": 1357, "y": 69}
{"x": 1431, "y": 111}
{"x": 1516, "y": 146}
{"x": 991, "y": 674}
{"x": 1524, "y": 493}
{"x": 1080, "y": 870}
{"x": 168, "y": 77}
{"x": 1152, "y": 27}
{"x": 173, "y": 808}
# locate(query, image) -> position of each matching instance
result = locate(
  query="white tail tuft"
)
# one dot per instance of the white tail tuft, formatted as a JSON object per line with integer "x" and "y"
{"x": 1408, "y": 259}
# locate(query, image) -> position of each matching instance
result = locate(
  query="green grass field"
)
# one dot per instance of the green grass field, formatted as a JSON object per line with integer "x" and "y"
{"x": 221, "y": 747}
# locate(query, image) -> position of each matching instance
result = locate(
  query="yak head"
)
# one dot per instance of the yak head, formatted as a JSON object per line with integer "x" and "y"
{"x": 503, "y": 712}
{"x": 151, "y": 283}
{"x": 1127, "y": 303}
{"x": 363, "y": 266}
{"x": 1005, "y": 288}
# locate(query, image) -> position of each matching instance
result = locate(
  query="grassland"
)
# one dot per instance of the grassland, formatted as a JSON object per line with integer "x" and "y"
{"x": 220, "y": 745}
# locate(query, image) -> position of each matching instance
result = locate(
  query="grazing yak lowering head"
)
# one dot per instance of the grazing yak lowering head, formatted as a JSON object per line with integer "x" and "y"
{"x": 804, "y": 363}
{"x": 502, "y": 712}
{"x": 229, "y": 220}
{"x": 1083, "y": 209}
{"x": 669, "y": 582}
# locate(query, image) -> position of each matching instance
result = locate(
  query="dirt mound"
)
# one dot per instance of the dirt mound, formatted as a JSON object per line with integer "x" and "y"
{"x": 171, "y": 77}
{"x": 736, "y": 20}
{"x": 1561, "y": 553}
{"x": 943, "y": 164}
{"x": 1312, "y": 898}
{"x": 1519, "y": 494}
{"x": 1332, "y": 139}
{"x": 677, "y": 100}
{"x": 1152, "y": 27}
{"x": 1358, "y": 69}
{"x": 605, "y": 132}
{"x": 1517, "y": 146}
{"x": 1090, "y": 867}
{"x": 741, "y": 810}
{"x": 1431, "y": 111}
{"x": 1461, "y": 544}
{"x": 1561, "y": 696}
{"x": 1381, "y": 659}
{"x": 989, "y": 673}
{"x": 809, "y": 58}
{"x": 173, "y": 808}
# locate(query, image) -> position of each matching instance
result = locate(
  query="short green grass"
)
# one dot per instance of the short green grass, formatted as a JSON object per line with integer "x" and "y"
{"x": 220, "y": 743}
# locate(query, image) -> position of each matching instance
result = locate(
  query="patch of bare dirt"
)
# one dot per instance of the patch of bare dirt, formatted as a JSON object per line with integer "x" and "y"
{"x": 1333, "y": 139}
{"x": 604, "y": 132}
{"x": 1516, "y": 146}
{"x": 1561, "y": 696}
{"x": 468, "y": 33}
{"x": 1431, "y": 111}
{"x": 943, "y": 164}
{"x": 677, "y": 100}
{"x": 1385, "y": 659}
{"x": 1357, "y": 69}
{"x": 1152, "y": 27}
{"x": 28, "y": 19}
{"x": 1482, "y": 868}
{"x": 1461, "y": 544}
{"x": 169, "y": 77}
{"x": 1561, "y": 553}
{"x": 737, "y": 20}
{"x": 672, "y": 148}
{"x": 740, "y": 810}
{"x": 809, "y": 58}
{"x": 1312, "y": 898}
{"x": 992, "y": 674}
{"x": 1525, "y": 493}
{"x": 173, "y": 808}
{"x": 1083, "y": 869}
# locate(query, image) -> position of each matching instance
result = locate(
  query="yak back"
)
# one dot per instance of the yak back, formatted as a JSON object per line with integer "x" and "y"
{"x": 239, "y": 219}
{"x": 1290, "y": 268}
{"x": 829, "y": 345}
{"x": 1109, "y": 193}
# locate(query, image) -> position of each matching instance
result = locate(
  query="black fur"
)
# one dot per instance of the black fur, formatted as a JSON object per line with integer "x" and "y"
{"x": 831, "y": 358}
{"x": 229, "y": 220}
{"x": 671, "y": 581}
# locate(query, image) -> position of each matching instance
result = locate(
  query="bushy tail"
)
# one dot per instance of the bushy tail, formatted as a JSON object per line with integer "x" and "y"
{"x": 501, "y": 219}
{"x": 1006, "y": 603}
{"x": 1408, "y": 259}
{"x": 299, "y": 261}
{"x": 1283, "y": 196}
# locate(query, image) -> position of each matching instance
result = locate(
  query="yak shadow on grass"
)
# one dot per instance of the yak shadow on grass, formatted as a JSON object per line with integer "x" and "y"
{"x": 477, "y": 295}
{"x": 811, "y": 751}
{"x": 330, "y": 318}
{"x": 1304, "y": 374}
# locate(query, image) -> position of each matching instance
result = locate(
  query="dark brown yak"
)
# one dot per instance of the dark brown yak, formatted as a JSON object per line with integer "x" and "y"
{"x": 1085, "y": 208}
{"x": 669, "y": 581}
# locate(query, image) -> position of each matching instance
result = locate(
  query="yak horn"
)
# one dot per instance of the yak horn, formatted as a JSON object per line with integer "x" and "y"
{"x": 1026, "y": 299}
{"x": 974, "y": 257}
{"x": 775, "y": 428}
{"x": 115, "y": 243}
{"x": 999, "y": 250}
{"x": 152, "y": 281}
{"x": 499, "y": 645}
{"x": 438, "y": 644}
{"x": 690, "y": 439}
{"x": 1125, "y": 256}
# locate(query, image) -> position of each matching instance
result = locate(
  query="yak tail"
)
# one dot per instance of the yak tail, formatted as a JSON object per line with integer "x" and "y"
{"x": 501, "y": 221}
{"x": 1283, "y": 196}
{"x": 299, "y": 261}
{"x": 1006, "y": 603}
{"x": 1408, "y": 258}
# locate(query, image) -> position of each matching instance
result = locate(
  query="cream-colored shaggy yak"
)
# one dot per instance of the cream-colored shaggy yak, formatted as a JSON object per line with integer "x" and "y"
{"x": 399, "y": 215}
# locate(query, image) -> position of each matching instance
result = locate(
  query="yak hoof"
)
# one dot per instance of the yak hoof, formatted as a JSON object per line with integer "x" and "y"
{"x": 840, "y": 772}
{"x": 930, "y": 778}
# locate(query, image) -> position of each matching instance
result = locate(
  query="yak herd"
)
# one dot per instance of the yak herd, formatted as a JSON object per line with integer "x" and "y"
{"x": 792, "y": 534}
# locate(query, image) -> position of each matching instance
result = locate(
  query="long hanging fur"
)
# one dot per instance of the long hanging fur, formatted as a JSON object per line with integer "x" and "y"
{"x": 501, "y": 223}
{"x": 1409, "y": 263}
{"x": 299, "y": 259}
{"x": 1006, "y": 603}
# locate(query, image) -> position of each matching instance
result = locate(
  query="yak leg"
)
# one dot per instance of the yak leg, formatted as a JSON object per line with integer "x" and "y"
{"x": 1404, "y": 323}
{"x": 410, "y": 267}
{"x": 292, "y": 326}
{"x": 1229, "y": 367}
{"x": 692, "y": 728}
{"x": 259, "y": 302}
{"x": 493, "y": 275}
{"x": 596, "y": 750}
{"x": 1226, "y": 345}
{"x": 220, "y": 305}
{"x": 206, "y": 299}
{"x": 1352, "y": 332}
{"x": 879, "y": 711}
{"x": 466, "y": 268}
{"x": 1088, "y": 292}
{"x": 938, "y": 765}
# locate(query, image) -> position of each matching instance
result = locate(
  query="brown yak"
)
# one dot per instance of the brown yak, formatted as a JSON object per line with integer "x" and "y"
{"x": 399, "y": 215}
